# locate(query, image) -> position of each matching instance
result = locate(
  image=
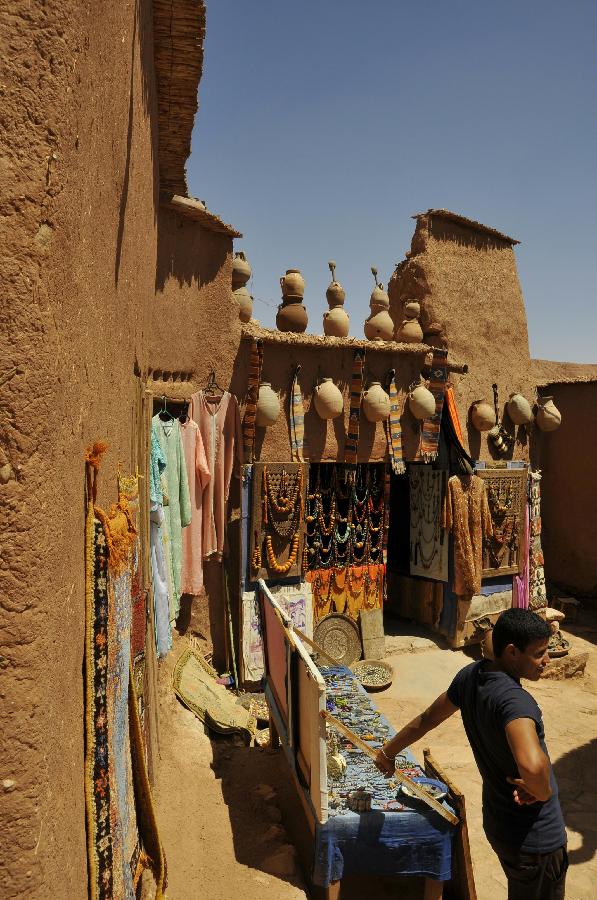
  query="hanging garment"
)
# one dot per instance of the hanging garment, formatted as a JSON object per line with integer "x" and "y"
{"x": 159, "y": 573}
{"x": 469, "y": 520}
{"x": 428, "y": 536}
{"x": 192, "y": 536}
{"x": 157, "y": 465}
{"x": 219, "y": 424}
{"x": 178, "y": 510}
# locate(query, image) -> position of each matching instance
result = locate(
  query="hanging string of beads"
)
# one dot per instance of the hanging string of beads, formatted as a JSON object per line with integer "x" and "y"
{"x": 282, "y": 512}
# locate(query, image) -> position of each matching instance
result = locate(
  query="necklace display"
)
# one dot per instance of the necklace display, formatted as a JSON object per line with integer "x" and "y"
{"x": 282, "y": 512}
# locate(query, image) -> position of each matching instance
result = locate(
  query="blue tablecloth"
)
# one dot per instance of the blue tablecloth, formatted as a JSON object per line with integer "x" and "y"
{"x": 411, "y": 841}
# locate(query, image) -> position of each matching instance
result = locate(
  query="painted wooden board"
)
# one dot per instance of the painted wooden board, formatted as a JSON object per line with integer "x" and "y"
{"x": 372, "y": 633}
{"x": 258, "y": 531}
{"x": 507, "y": 496}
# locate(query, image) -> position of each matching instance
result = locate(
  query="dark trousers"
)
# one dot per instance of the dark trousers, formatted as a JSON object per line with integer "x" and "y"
{"x": 534, "y": 876}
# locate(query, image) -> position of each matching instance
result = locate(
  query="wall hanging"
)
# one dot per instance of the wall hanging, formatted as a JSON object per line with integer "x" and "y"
{"x": 292, "y": 315}
{"x": 336, "y": 322}
{"x": 379, "y": 325}
{"x": 279, "y": 494}
{"x": 506, "y": 496}
{"x": 328, "y": 399}
{"x": 548, "y": 416}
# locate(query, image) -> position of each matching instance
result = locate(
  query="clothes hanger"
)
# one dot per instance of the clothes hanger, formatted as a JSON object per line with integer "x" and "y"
{"x": 184, "y": 416}
{"x": 212, "y": 388}
{"x": 164, "y": 414}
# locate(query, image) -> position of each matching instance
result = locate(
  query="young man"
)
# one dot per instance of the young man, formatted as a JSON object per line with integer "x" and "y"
{"x": 521, "y": 812}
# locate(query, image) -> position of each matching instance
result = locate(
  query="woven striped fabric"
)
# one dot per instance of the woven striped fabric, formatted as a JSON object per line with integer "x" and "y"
{"x": 386, "y": 514}
{"x": 255, "y": 365}
{"x": 351, "y": 446}
{"x": 392, "y": 425}
{"x": 451, "y": 405}
{"x": 297, "y": 420}
{"x": 437, "y": 385}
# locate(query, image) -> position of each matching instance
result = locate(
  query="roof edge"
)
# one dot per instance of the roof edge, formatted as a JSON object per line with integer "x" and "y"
{"x": 468, "y": 223}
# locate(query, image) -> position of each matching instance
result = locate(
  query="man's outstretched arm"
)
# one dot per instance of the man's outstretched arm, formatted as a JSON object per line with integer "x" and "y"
{"x": 440, "y": 709}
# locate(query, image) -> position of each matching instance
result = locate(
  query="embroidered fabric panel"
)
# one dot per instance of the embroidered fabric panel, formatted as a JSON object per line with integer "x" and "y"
{"x": 347, "y": 590}
{"x": 428, "y": 535}
{"x": 537, "y": 592}
{"x": 506, "y": 495}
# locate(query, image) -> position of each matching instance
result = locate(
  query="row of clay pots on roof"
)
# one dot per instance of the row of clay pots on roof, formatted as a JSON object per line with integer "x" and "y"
{"x": 292, "y": 314}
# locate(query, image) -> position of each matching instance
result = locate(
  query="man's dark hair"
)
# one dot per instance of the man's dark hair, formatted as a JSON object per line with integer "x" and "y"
{"x": 518, "y": 627}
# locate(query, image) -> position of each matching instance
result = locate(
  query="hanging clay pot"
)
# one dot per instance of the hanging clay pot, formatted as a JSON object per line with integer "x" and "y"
{"x": 376, "y": 403}
{"x": 519, "y": 410}
{"x": 548, "y": 415}
{"x": 292, "y": 284}
{"x": 482, "y": 415}
{"x": 421, "y": 402}
{"x": 268, "y": 406}
{"x": 241, "y": 270}
{"x": 412, "y": 309}
{"x": 336, "y": 322}
{"x": 328, "y": 400}
{"x": 379, "y": 325}
{"x": 245, "y": 303}
{"x": 292, "y": 317}
{"x": 409, "y": 332}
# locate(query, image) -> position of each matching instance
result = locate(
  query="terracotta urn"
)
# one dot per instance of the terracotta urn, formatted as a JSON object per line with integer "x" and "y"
{"x": 245, "y": 303}
{"x": 241, "y": 270}
{"x": 376, "y": 403}
{"x": 292, "y": 317}
{"x": 336, "y": 322}
{"x": 483, "y": 415}
{"x": 268, "y": 406}
{"x": 328, "y": 400}
{"x": 412, "y": 309}
{"x": 548, "y": 416}
{"x": 379, "y": 325}
{"x": 292, "y": 284}
{"x": 519, "y": 410}
{"x": 409, "y": 332}
{"x": 421, "y": 402}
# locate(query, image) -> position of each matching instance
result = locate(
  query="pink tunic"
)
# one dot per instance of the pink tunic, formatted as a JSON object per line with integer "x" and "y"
{"x": 219, "y": 424}
{"x": 192, "y": 537}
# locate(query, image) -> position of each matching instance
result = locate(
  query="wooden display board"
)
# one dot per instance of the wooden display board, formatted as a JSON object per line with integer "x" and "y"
{"x": 259, "y": 531}
{"x": 507, "y": 497}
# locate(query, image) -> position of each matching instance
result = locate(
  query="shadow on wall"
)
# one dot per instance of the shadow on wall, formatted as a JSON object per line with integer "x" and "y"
{"x": 186, "y": 252}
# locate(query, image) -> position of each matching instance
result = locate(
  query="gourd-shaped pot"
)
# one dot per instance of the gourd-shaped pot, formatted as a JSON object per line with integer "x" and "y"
{"x": 376, "y": 403}
{"x": 328, "y": 400}
{"x": 483, "y": 415}
{"x": 379, "y": 325}
{"x": 292, "y": 317}
{"x": 548, "y": 415}
{"x": 519, "y": 410}
{"x": 379, "y": 298}
{"x": 292, "y": 284}
{"x": 409, "y": 332}
{"x": 336, "y": 322}
{"x": 335, "y": 294}
{"x": 268, "y": 406}
{"x": 245, "y": 303}
{"x": 241, "y": 270}
{"x": 412, "y": 309}
{"x": 421, "y": 402}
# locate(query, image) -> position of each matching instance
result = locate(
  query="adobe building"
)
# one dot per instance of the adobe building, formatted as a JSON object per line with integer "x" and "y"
{"x": 117, "y": 292}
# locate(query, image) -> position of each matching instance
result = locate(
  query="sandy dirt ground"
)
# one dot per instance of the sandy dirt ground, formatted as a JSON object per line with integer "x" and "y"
{"x": 219, "y": 802}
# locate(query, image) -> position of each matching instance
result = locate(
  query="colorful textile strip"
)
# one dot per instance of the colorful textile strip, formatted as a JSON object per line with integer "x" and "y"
{"x": 255, "y": 365}
{"x": 393, "y": 426}
{"x": 386, "y": 514}
{"x": 351, "y": 446}
{"x": 437, "y": 386}
{"x": 537, "y": 591}
{"x": 297, "y": 420}
{"x": 347, "y": 590}
{"x": 453, "y": 412}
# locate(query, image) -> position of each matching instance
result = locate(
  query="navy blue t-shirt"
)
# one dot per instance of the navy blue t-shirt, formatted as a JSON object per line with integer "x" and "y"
{"x": 488, "y": 701}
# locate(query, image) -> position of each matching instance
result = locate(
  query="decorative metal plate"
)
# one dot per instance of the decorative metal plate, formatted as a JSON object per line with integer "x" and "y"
{"x": 339, "y": 637}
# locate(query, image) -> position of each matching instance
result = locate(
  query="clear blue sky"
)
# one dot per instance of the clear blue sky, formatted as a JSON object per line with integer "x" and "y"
{"x": 324, "y": 124}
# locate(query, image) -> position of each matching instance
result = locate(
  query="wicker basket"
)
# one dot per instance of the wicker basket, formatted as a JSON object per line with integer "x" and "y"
{"x": 360, "y": 669}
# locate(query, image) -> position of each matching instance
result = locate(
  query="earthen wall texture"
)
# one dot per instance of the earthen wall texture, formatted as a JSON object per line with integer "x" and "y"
{"x": 471, "y": 302}
{"x": 78, "y": 188}
{"x": 569, "y": 490}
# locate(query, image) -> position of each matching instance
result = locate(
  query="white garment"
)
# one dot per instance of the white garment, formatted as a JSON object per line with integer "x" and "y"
{"x": 159, "y": 571}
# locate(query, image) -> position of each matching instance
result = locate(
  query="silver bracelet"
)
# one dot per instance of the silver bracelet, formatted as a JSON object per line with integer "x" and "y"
{"x": 389, "y": 758}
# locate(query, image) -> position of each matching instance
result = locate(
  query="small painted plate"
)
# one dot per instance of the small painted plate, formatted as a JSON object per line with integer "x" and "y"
{"x": 435, "y": 789}
{"x": 339, "y": 637}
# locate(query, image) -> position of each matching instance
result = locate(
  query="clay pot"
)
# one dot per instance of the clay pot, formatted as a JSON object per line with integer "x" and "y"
{"x": 336, "y": 322}
{"x": 335, "y": 294}
{"x": 376, "y": 403}
{"x": 482, "y": 415}
{"x": 409, "y": 332}
{"x": 519, "y": 409}
{"x": 421, "y": 402}
{"x": 328, "y": 400}
{"x": 268, "y": 406}
{"x": 292, "y": 317}
{"x": 379, "y": 326}
{"x": 245, "y": 303}
{"x": 379, "y": 297}
{"x": 412, "y": 309}
{"x": 292, "y": 284}
{"x": 548, "y": 416}
{"x": 241, "y": 270}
